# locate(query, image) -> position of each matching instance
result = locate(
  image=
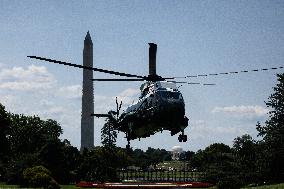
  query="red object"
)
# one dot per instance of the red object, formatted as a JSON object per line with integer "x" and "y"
{"x": 148, "y": 185}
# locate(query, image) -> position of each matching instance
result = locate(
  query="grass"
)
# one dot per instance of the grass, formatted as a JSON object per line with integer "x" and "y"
{"x": 173, "y": 164}
{"x": 6, "y": 186}
{"x": 2, "y": 185}
{"x": 69, "y": 187}
{"x": 276, "y": 186}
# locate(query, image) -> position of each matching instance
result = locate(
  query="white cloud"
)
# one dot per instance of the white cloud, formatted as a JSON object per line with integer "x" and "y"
{"x": 247, "y": 111}
{"x": 202, "y": 129}
{"x": 129, "y": 92}
{"x": 202, "y": 133}
{"x": 197, "y": 122}
{"x": 72, "y": 91}
{"x": 177, "y": 148}
{"x": 45, "y": 103}
{"x": 56, "y": 110}
{"x": 7, "y": 100}
{"x": 128, "y": 96}
{"x": 19, "y": 78}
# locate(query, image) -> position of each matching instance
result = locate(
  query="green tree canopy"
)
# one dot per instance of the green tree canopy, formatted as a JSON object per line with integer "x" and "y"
{"x": 245, "y": 148}
{"x": 22, "y": 139}
{"x": 4, "y": 128}
{"x": 273, "y": 133}
{"x": 246, "y": 151}
{"x": 61, "y": 159}
{"x": 108, "y": 134}
{"x": 99, "y": 164}
{"x": 212, "y": 154}
{"x": 4, "y": 143}
{"x": 28, "y": 134}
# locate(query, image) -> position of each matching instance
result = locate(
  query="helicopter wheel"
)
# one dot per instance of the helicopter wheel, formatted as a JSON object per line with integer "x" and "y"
{"x": 182, "y": 138}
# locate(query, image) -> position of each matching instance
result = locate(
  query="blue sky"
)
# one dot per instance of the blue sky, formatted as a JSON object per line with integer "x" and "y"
{"x": 193, "y": 37}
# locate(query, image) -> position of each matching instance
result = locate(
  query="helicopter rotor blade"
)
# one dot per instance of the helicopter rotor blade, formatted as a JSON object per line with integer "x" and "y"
{"x": 191, "y": 83}
{"x": 201, "y": 83}
{"x": 209, "y": 84}
{"x": 231, "y": 73}
{"x": 183, "y": 77}
{"x": 88, "y": 68}
{"x": 118, "y": 79}
{"x": 100, "y": 115}
{"x": 176, "y": 81}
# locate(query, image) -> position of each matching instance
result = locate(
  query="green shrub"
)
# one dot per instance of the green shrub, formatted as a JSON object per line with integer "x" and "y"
{"x": 39, "y": 176}
{"x": 230, "y": 182}
{"x": 53, "y": 185}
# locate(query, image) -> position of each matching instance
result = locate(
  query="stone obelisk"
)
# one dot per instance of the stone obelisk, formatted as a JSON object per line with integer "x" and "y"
{"x": 87, "y": 121}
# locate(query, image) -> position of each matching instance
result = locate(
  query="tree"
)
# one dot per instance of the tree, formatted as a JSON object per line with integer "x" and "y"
{"x": 187, "y": 155}
{"x": 99, "y": 164}
{"x": 4, "y": 143}
{"x": 155, "y": 156}
{"x": 213, "y": 154}
{"x": 245, "y": 148}
{"x": 16, "y": 165}
{"x": 28, "y": 134}
{"x": 61, "y": 159}
{"x": 273, "y": 134}
{"x": 218, "y": 162}
{"x": 26, "y": 137}
{"x": 108, "y": 134}
{"x": 246, "y": 152}
{"x": 140, "y": 159}
{"x": 123, "y": 158}
{"x": 72, "y": 159}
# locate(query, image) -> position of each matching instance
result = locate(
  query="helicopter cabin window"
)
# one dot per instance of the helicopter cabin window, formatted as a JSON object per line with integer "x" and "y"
{"x": 166, "y": 85}
{"x": 169, "y": 94}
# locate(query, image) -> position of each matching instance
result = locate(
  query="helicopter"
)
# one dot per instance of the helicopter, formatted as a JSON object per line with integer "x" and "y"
{"x": 160, "y": 106}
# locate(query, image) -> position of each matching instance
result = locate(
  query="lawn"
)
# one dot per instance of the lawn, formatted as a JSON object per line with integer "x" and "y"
{"x": 2, "y": 185}
{"x": 69, "y": 187}
{"x": 276, "y": 186}
{"x": 5, "y": 186}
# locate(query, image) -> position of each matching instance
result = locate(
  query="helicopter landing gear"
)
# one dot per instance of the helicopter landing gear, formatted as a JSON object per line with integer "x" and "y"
{"x": 128, "y": 145}
{"x": 182, "y": 137}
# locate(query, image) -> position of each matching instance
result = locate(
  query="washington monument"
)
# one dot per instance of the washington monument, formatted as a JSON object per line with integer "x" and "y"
{"x": 87, "y": 121}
